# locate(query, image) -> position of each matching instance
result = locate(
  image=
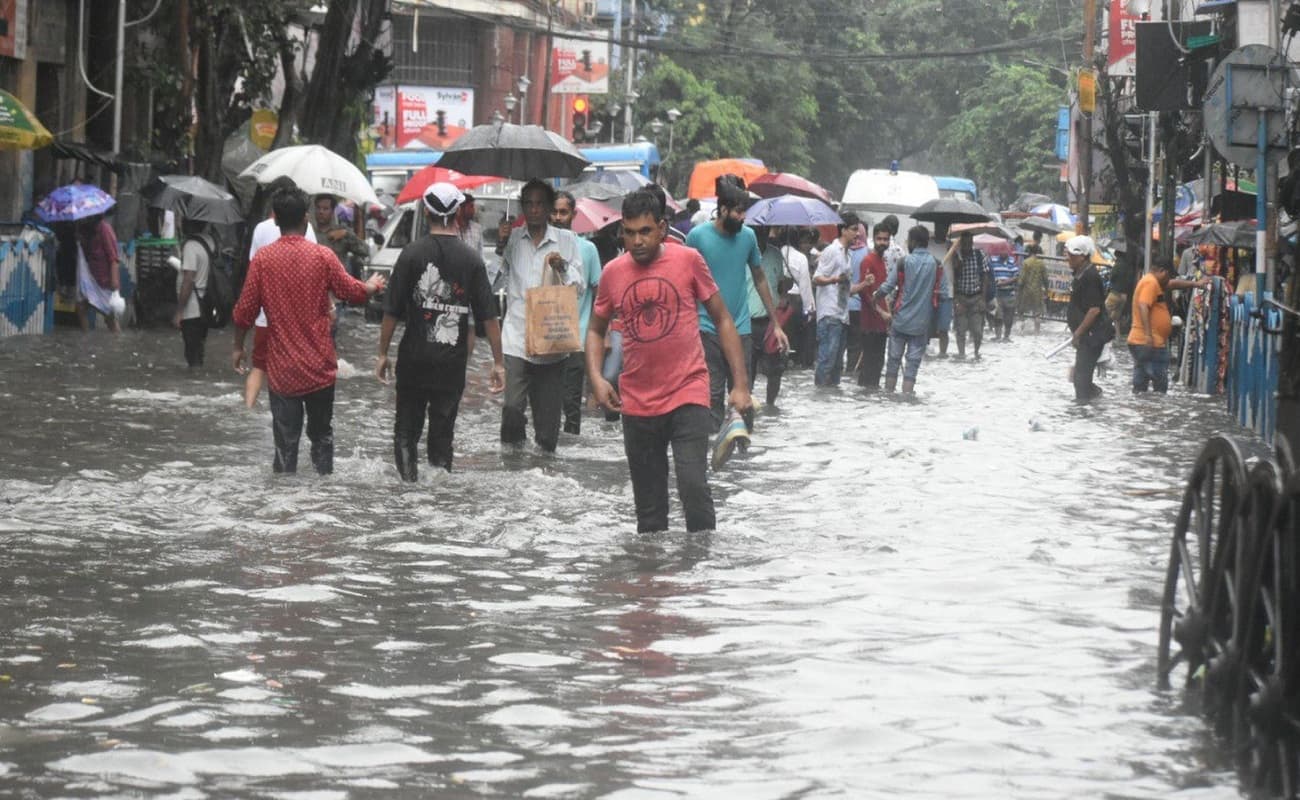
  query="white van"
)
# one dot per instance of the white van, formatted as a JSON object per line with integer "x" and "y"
{"x": 875, "y": 193}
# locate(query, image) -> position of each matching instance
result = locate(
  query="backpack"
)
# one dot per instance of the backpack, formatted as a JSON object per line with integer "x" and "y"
{"x": 217, "y": 300}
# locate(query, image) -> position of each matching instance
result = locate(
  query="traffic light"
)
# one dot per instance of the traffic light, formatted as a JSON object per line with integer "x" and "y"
{"x": 586, "y": 60}
{"x": 581, "y": 111}
{"x": 440, "y": 118}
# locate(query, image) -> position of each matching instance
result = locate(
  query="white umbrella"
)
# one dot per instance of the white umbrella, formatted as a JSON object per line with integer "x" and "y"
{"x": 316, "y": 170}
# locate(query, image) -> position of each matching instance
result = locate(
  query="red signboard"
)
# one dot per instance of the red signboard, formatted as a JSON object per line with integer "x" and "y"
{"x": 1121, "y": 51}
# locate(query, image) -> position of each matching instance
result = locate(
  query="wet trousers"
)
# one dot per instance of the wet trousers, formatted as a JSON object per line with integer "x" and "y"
{"x": 439, "y": 402}
{"x": 287, "y": 415}
{"x": 1085, "y": 366}
{"x": 1150, "y": 368}
{"x": 830, "y": 351}
{"x": 539, "y": 387}
{"x": 873, "y": 358}
{"x": 646, "y": 440}
{"x": 720, "y": 372}
{"x": 575, "y": 375}
{"x": 906, "y": 347}
{"x": 194, "y": 334}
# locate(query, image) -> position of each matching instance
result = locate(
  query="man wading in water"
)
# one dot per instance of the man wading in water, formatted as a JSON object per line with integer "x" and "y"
{"x": 664, "y": 389}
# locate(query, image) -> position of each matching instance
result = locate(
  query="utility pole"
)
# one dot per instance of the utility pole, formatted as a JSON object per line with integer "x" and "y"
{"x": 630, "y": 63}
{"x": 550, "y": 59}
{"x": 1085, "y": 146}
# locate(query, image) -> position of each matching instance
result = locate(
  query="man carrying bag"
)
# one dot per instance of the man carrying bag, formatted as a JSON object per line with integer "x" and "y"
{"x": 541, "y": 275}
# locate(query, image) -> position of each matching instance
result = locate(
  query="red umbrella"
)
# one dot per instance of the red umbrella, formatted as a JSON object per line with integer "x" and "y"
{"x": 592, "y": 215}
{"x": 778, "y": 183}
{"x": 422, "y": 180}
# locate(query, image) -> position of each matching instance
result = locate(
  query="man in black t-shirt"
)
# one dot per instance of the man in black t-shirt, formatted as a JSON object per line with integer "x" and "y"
{"x": 436, "y": 284}
{"x": 1086, "y": 317}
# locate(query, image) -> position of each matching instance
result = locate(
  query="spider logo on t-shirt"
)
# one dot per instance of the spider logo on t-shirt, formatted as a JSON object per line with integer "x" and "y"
{"x": 650, "y": 308}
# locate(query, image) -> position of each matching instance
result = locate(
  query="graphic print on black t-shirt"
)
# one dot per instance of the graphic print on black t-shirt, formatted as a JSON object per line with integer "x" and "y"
{"x": 650, "y": 308}
{"x": 442, "y": 318}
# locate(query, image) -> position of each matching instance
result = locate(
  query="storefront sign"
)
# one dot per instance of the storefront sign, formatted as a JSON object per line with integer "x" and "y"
{"x": 1121, "y": 51}
{"x": 407, "y": 116}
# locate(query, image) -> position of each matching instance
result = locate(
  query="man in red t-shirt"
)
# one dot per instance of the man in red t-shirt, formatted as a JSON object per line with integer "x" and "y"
{"x": 873, "y": 319}
{"x": 663, "y": 391}
{"x": 292, "y": 279}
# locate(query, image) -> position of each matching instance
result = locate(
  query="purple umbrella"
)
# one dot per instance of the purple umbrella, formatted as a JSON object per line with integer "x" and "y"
{"x": 791, "y": 209}
{"x": 73, "y": 202}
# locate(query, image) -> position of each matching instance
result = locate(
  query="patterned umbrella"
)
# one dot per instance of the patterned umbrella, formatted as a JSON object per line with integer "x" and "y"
{"x": 73, "y": 202}
{"x": 19, "y": 128}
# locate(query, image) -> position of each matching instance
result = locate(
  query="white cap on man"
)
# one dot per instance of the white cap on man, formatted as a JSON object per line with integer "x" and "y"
{"x": 443, "y": 199}
{"x": 1080, "y": 246}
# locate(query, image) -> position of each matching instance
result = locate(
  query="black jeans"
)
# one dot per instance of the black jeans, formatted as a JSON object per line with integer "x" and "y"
{"x": 1085, "y": 365}
{"x": 852, "y": 342}
{"x": 194, "y": 333}
{"x": 720, "y": 372}
{"x": 873, "y": 358}
{"x": 286, "y": 426}
{"x": 539, "y": 387}
{"x": 646, "y": 441}
{"x": 770, "y": 364}
{"x": 575, "y": 373}
{"x": 439, "y": 401}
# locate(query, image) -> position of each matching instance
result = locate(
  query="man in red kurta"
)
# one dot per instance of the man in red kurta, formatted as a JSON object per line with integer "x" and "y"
{"x": 292, "y": 279}
{"x": 874, "y": 323}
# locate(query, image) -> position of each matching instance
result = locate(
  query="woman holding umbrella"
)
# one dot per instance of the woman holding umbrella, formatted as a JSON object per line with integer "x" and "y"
{"x": 98, "y": 245}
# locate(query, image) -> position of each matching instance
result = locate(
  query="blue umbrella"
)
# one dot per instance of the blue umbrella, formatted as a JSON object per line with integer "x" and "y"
{"x": 791, "y": 210}
{"x": 73, "y": 202}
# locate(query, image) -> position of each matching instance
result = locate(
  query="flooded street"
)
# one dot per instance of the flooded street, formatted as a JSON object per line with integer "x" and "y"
{"x": 888, "y": 609}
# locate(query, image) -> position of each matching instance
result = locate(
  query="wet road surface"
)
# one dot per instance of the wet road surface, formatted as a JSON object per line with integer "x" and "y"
{"x": 887, "y": 609}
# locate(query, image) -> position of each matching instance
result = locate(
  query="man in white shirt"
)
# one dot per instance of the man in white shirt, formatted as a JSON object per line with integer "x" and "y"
{"x": 191, "y": 283}
{"x": 535, "y": 382}
{"x": 833, "y": 278}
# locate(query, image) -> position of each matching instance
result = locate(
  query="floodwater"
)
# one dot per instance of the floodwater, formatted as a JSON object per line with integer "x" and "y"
{"x": 954, "y": 598}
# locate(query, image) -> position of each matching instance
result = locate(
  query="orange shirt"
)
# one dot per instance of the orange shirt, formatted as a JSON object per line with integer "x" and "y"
{"x": 1148, "y": 291}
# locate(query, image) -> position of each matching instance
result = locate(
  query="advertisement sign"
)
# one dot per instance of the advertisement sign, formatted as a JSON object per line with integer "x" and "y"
{"x": 579, "y": 66}
{"x": 408, "y": 116}
{"x": 1121, "y": 51}
{"x": 13, "y": 28}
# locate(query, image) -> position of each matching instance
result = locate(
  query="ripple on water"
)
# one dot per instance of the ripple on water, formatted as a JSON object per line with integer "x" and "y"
{"x": 370, "y": 692}
{"x": 529, "y": 715}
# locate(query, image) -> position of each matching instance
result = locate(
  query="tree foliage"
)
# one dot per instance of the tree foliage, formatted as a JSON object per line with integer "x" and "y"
{"x": 834, "y": 86}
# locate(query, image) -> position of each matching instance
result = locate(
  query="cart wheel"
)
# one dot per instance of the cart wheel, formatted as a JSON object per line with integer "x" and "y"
{"x": 1196, "y": 611}
{"x": 1266, "y": 731}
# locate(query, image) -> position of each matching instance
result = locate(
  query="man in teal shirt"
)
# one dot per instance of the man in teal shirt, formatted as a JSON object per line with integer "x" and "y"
{"x": 731, "y": 251}
{"x": 575, "y": 367}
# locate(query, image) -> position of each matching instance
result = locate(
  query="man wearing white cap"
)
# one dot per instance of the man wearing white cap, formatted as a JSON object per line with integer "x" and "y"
{"x": 437, "y": 282}
{"x": 1086, "y": 316}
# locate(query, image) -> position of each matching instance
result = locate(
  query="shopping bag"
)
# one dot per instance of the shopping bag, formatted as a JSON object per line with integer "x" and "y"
{"x": 551, "y": 320}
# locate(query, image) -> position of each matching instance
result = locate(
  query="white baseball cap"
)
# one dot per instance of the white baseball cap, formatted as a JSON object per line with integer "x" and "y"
{"x": 442, "y": 199}
{"x": 1080, "y": 246}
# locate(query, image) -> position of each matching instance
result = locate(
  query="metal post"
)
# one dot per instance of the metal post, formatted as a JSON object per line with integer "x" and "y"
{"x": 631, "y": 67}
{"x": 117, "y": 77}
{"x": 1261, "y": 206}
{"x": 1206, "y": 178}
{"x": 1151, "y": 189}
{"x": 1085, "y": 154}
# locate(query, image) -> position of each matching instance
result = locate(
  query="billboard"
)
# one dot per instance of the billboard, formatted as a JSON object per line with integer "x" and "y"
{"x": 407, "y": 116}
{"x": 13, "y": 28}
{"x": 1121, "y": 44}
{"x": 579, "y": 66}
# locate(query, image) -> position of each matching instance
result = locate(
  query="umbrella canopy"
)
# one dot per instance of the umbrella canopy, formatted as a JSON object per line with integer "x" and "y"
{"x": 19, "y": 128}
{"x": 1055, "y": 212}
{"x": 596, "y": 191}
{"x": 422, "y": 180}
{"x": 592, "y": 215}
{"x": 706, "y": 172}
{"x": 952, "y": 210}
{"x": 791, "y": 210}
{"x": 513, "y": 151}
{"x": 626, "y": 181}
{"x": 73, "y": 202}
{"x": 990, "y": 229}
{"x": 1239, "y": 234}
{"x": 776, "y": 184}
{"x": 994, "y": 246}
{"x": 192, "y": 197}
{"x": 316, "y": 170}
{"x": 1042, "y": 225}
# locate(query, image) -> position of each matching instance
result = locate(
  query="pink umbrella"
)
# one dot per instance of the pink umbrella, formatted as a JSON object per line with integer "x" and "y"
{"x": 591, "y": 215}
{"x": 776, "y": 184}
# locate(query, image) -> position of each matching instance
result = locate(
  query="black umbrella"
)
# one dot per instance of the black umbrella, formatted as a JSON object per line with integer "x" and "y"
{"x": 1239, "y": 234}
{"x": 1042, "y": 225}
{"x": 596, "y": 190}
{"x": 951, "y": 210}
{"x": 514, "y": 151}
{"x": 192, "y": 197}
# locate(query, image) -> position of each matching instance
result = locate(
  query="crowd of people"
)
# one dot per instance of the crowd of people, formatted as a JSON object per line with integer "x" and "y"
{"x": 672, "y": 331}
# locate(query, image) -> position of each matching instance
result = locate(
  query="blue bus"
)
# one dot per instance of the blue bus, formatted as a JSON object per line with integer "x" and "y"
{"x": 957, "y": 187}
{"x": 642, "y": 157}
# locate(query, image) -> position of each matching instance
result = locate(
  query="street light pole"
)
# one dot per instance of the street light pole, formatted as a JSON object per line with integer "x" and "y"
{"x": 522, "y": 85}
{"x": 630, "y": 59}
